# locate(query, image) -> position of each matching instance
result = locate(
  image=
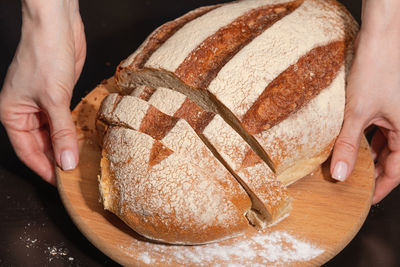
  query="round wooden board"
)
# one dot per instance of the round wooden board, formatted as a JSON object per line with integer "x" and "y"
{"x": 326, "y": 214}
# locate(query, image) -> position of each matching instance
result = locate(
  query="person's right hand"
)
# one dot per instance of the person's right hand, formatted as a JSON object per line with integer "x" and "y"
{"x": 36, "y": 94}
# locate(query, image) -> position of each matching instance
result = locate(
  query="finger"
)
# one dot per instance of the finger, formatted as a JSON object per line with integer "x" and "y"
{"x": 378, "y": 142}
{"x": 393, "y": 140}
{"x": 80, "y": 61}
{"x": 30, "y": 153}
{"x": 382, "y": 159}
{"x": 389, "y": 179}
{"x": 43, "y": 141}
{"x": 78, "y": 68}
{"x": 346, "y": 148}
{"x": 378, "y": 170}
{"x": 380, "y": 162}
{"x": 63, "y": 136}
{"x": 80, "y": 48}
{"x": 24, "y": 121}
{"x": 384, "y": 131}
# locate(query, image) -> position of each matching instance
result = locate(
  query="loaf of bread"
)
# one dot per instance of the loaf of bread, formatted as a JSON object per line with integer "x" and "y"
{"x": 218, "y": 110}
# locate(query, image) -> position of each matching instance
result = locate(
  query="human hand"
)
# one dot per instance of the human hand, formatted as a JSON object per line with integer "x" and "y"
{"x": 36, "y": 94}
{"x": 373, "y": 98}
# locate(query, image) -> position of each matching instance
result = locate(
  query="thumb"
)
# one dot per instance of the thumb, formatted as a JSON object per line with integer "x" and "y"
{"x": 346, "y": 147}
{"x": 63, "y": 136}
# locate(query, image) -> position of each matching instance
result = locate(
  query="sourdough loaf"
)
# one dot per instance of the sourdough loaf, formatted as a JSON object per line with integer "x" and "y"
{"x": 218, "y": 110}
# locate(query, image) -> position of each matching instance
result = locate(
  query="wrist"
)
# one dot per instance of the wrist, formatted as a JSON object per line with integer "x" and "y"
{"x": 380, "y": 18}
{"x": 43, "y": 12}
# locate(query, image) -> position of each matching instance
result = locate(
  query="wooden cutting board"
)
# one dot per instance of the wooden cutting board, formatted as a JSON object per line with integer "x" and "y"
{"x": 326, "y": 214}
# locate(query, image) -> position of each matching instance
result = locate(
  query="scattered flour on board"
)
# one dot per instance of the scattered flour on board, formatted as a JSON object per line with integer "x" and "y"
{"x": 275, "y": 248}
{"x": 52, "y": 252}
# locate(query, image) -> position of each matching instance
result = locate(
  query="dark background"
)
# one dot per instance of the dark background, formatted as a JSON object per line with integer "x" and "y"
{"x": 35, "y": 229}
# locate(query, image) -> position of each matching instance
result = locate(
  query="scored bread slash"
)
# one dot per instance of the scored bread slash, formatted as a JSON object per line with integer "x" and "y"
{"x": 270, "y": 199}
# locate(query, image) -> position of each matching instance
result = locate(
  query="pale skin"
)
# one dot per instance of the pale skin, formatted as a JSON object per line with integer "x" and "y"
{"x": 373, "y": 97}
{"x": 34, "y": 101}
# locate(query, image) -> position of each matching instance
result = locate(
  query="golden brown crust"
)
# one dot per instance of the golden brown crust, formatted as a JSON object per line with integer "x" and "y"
{"x": 157, "y": 124}
{"x": 158, "y": 153}
{"x": 305, "y": 166}
{"x": 197, "y": 117}
{"x": 106, "y": 185}
{"x": 203, "y": 63}
{"x": 295, "y": 87}
{"x": 278, "y": 211}
{"x": 250, "y": 159}
{"x": 146, "y": 93}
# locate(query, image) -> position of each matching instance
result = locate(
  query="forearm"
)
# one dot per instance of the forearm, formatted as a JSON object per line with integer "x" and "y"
{"x": 47, "y": 24}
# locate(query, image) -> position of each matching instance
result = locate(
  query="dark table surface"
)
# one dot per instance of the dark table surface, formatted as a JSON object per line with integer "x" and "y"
{"x": 35, "y": 229}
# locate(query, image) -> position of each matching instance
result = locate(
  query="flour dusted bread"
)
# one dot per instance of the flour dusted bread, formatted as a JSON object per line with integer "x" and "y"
{"x": 218, "y": 110}
{"x": 222, "y": 146}
{"x": 167, "y": 185}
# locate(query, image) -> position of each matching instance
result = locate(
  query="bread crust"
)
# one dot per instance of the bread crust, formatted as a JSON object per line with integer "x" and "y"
{"x": 313, "y": 72}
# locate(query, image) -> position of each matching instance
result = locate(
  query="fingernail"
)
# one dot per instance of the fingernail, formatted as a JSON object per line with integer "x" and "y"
{"x": 340, "y": 171}
{"x": 67, "y": 160}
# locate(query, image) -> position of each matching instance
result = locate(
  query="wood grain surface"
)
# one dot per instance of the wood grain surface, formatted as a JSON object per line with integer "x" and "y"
{"x": 326, "y": 214}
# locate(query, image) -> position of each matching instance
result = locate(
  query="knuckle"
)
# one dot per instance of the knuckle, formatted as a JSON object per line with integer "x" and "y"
{"x": 5, "y": 115}
{"x": 346, "y": 146}
{"x": 62, "y": 134}
{"x": 3, "y": 108}
{"x": 357, "y": 110}
{"x": 59, "y": 96}
{"x": 392, "y": 166}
